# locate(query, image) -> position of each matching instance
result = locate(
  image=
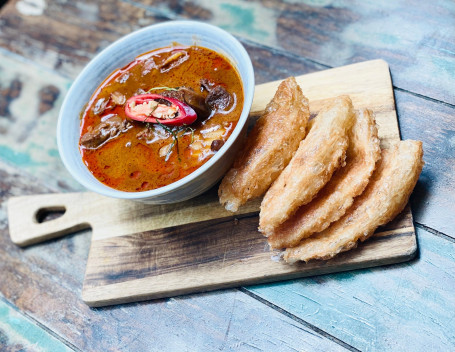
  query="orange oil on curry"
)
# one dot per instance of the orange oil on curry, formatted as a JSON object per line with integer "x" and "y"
{"x": 130, "y": 164}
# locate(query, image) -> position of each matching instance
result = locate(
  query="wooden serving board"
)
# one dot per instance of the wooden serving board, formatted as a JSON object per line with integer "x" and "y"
{"x": 141, "y": 252}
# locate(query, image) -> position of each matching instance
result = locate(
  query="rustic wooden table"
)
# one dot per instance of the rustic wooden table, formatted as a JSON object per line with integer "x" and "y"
{"x": 406, "y": 307}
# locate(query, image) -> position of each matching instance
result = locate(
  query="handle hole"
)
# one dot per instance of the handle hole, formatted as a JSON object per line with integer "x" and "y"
{"x": 48, "y": 214}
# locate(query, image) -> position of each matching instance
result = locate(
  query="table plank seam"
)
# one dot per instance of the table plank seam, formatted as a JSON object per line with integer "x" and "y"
{"x": 284, "y": 53}
{"x": 246, "y": 41}
{"x": 39, "y": 324}
{"x": 299, "y": 320}
{"x": 170, "y": 16}
{"x": 327, "y": 67}
{"x": 417, "y": 95}
{"x": 418, "y": 293}
{"x": 435, "y": 232}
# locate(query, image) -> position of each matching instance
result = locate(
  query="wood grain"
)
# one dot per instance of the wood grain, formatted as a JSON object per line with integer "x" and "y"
{"x": 35, "y": 150}
{"x": 213, "y": 255}
{"x": 23, "y": 334}
{"x": 66, "y": 35}
{"x": 44, "y": 282}
{"x": 367, "y": 83}
{"x": 58, "y": 266}
{"x": 406, "y": 306}
{"x": 433, "y": 200}
{"x": 337, "y": 33}
{"x": 28, "y": 119}
{"x": 382, "y": 309}
{"x": 65, "y": 53}
{"x": 193, "y": 255}
{"x": 140, "y": 252}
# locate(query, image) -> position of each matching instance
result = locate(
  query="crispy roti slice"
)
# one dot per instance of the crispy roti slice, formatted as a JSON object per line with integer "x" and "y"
{"x": 270, "y": 146}
{"x": 338, "y": 194}
{"x": 384, "y": 198}
{"x": 312, "y": 166}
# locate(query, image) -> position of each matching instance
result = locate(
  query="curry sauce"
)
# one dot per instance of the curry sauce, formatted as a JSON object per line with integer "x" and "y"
{"x": 134, "y": 156}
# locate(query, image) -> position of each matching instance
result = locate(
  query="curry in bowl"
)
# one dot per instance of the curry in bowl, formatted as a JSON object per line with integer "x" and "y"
{"x": 160, "y": 117}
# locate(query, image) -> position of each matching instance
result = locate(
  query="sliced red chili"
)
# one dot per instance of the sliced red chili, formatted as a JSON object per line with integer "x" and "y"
{"x": 150, "y": 108}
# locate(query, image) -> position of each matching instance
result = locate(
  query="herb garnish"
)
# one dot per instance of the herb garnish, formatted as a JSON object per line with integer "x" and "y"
{"x": 175, "y": 136}
{"x": 186, "y": 129}
{"x": 174, "y": 142}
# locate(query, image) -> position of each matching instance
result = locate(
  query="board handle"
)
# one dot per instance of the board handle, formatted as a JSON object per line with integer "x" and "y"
{"x": 24, "y": 212}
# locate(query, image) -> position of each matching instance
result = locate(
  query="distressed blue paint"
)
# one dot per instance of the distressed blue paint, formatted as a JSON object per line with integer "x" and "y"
{"x": 20, "y": 333}
{"x": 400, "y": 307}
{"x": 16, "y": 158}
{"x": 243, "y": 20}
{"x": 53, "y": 153}
{"x": 445, "y": 64}
{"x": 249, "y": 20}
{"x": 404, "y": 307}
{"x": 406, "y": 34}
{"x": 29, "y": 141}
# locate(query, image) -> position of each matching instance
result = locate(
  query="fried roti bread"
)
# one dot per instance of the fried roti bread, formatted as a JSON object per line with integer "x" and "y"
{"x": 270, "y": 146}
{"x": 312, "y": 166}
{"x": 384, "y": 198}
{"x": 337, "y": 196}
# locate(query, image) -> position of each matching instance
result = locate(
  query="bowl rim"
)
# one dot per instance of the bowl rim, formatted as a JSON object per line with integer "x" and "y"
{"x": 248, "y": 83}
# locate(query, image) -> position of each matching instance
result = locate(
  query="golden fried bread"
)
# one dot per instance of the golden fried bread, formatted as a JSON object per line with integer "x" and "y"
{"x": 384, "y": 198}
{"x": 312, "y": 166}
{"x": 337, "y": 196}
{"x": 270, "y": 146}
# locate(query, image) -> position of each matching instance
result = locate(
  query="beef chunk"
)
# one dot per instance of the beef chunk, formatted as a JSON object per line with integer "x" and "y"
{"x": 104, "y": 131}
{"x": 218, "y": 98}
{"x": 197, "y": 102}
{"x": 216, "y": 145}
{"x": 174, "y": 94}
{"x": 190, "y": 97}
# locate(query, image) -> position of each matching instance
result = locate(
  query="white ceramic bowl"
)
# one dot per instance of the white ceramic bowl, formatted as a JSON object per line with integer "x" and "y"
{"x": 118, "y": 55}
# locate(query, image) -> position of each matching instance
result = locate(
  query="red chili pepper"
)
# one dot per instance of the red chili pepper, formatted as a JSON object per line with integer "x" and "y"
{"x": 185, "y": 115}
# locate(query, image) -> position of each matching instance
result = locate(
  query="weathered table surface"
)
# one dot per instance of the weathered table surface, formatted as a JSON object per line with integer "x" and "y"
{"x": 405, "y": 307}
